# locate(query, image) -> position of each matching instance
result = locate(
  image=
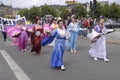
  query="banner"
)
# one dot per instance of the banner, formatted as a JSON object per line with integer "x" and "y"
{"x": 12, "y": 21}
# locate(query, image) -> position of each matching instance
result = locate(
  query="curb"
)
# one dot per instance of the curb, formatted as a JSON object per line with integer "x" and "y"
{"x": 108, "y": 40}
{"x": 113, "y": 42}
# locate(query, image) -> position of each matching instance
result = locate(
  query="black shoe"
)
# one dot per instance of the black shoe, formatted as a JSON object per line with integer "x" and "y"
{"x": 57, "y": 67}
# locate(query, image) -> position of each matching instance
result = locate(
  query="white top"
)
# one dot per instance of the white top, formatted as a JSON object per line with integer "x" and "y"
{"x": 24, "y": 28}
{"x": 62, "y": 32}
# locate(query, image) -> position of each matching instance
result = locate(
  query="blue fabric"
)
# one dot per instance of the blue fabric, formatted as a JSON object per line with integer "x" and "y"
{"x": 73, "y": 27}
{"x": 73, "y": 40}
{"x": 97, "y": 28}
{"x": 49, "y": 39}
{"x": 57, "y": 54}
{"x": 83, "y": 33}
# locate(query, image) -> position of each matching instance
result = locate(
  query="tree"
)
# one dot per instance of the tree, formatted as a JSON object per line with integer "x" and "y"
{"x": 79, "y": 10}
{"x": 63, "y": 12}
{"x": 98, "y": 10}
{"x": 33, "y": 12}
{"x": 106, "y": 10}
{"x": 115, "y": 11}
{"x": 48, "y": 10}
{"x": 24, "y": 12}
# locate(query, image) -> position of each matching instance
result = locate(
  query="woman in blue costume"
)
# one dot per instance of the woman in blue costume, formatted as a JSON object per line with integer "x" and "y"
{"x": 73, "y": 28}
{"x": 57, "y": 55}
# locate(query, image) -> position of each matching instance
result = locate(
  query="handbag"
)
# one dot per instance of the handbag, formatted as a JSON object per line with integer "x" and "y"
{"x": 93, "y": 36}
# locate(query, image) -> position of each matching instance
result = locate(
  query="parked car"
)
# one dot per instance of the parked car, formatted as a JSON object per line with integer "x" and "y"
{"x": 112, "y": 24}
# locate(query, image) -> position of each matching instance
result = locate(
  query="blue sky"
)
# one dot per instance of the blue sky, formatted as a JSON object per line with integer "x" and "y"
{"x": 30, "y": 3}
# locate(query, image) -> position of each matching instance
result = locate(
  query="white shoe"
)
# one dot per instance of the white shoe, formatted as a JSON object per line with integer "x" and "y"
{"x": 75, "y": 50}
{"x": 71, "y": 51}
{"x": 106, "y": 60}
{"x": 25, "y": 49}
{"x": 22, "y": 50}
{"x": 63, "y": 68}
{"x": 95, "y": 59}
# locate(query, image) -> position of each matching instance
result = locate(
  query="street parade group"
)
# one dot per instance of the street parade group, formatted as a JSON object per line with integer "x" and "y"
{"x": 58, "y": 33}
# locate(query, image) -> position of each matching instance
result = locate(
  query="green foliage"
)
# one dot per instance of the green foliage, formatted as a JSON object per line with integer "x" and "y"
{"x": 106, "y": 10}
{"x": 48, "y": 10}
{"x": 63, "y": 12}
{"x": 33, "y": 12}
{"x": 24, "y": 12}
{"x": 98, "y": 10}
{"x": 109, "y": 11}
{"x": 30, "y": 14}
{"x": 115, "y": 11}
{"x": 79, "y": 10}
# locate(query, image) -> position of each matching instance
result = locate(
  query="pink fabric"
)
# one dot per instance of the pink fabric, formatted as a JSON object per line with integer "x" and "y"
{"x": 47, "y": 26}
{"x": 16, "y": 41}
{"x": 30, "y": 28}
{"x": 13, "y": 32}
{"x": 8, "y": 29}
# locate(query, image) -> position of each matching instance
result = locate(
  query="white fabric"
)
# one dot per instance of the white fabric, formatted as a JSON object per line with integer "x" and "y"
{"x": 24, "y": 28}
{"x": 2, "y": 27}
{"x": 62, "y": 32}
{"x": 92, "y": 35}
{"x": 37, "y": 33}
{"x": 98, "y": 48}
{"x": 74, "y": 27}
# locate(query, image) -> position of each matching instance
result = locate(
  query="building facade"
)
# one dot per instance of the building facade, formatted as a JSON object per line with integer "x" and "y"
{"x": 8, "y": 10}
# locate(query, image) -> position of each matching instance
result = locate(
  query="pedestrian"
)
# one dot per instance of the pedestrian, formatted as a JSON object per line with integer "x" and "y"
{"x": 98, "y": 47}
{"x": 37, "y": 37}
{"x": 3, "y": 30}
{"x": 68, "y": 20}
{"x": 16, "y": 37}
{"x": 57, "y": 55}
{"x": 73, "y": 28}
{"x": 53, "y": 26}
{"x": 46, "y": 27}
{"x": 23, "y": 38}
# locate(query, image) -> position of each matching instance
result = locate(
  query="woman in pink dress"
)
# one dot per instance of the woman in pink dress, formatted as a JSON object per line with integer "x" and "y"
{"x": 46, "y": 28}
{"x": 23, "y": 38}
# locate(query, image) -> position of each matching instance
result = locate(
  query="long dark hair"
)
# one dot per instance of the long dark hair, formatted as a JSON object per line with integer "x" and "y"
{"x": 59, "y": 21}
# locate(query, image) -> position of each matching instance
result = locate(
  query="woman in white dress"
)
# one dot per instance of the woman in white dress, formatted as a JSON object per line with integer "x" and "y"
{"x": 98, "y": 48}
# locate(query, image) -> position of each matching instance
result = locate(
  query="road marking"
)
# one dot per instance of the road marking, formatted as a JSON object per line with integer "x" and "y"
{"x": 0, "y": 67}
{"x": 19, "y": 73}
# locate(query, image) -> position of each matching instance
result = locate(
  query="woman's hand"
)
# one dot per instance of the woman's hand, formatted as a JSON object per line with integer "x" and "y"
{"x": 94, "y": 40}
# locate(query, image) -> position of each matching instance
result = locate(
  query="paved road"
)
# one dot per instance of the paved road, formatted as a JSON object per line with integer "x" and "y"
{"x": 114, "y": 37}
{"x": 80, "y": 66}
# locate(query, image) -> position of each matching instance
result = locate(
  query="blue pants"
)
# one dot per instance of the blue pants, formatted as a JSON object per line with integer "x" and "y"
{"x": 83, "y": 33}
{"x": 73, "y": 40}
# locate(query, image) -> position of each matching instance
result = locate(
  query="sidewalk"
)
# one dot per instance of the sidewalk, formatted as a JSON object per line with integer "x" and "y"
{"x": 113, "y": 37}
